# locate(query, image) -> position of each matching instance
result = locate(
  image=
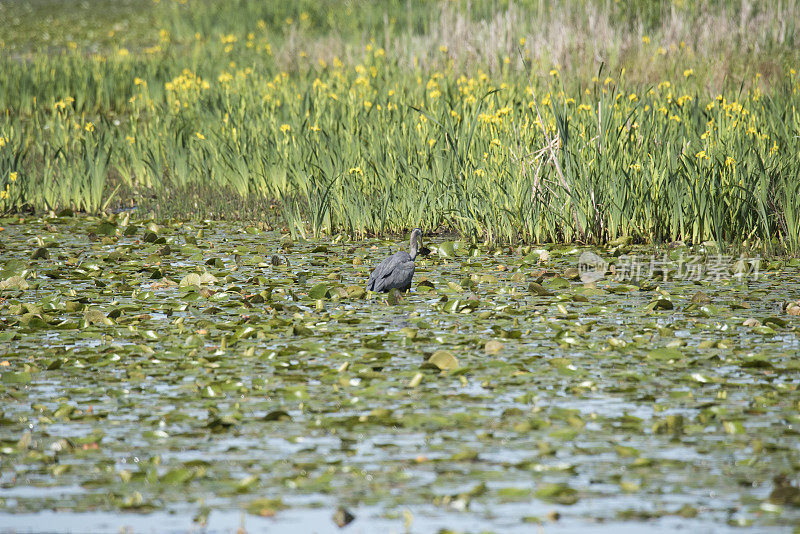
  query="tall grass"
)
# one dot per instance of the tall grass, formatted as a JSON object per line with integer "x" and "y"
{"x": 260, "y": 102}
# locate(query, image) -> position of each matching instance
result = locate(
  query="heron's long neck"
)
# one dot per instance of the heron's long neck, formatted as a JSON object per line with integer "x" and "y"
{"x": 413, "y": 251}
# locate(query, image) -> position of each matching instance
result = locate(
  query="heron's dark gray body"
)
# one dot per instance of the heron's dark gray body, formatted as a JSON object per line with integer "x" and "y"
{"x": 396, "y": 271}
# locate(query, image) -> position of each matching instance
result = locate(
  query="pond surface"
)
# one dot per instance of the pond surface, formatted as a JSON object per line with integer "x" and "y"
{"x": 205, "y": 376}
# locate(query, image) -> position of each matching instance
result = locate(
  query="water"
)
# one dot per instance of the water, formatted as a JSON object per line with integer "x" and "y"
{"x": 174, "y": 403}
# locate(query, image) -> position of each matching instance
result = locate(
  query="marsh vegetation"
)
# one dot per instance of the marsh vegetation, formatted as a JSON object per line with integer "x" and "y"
{"x": 512, "y": 123}
{"x": 193, "y": 195}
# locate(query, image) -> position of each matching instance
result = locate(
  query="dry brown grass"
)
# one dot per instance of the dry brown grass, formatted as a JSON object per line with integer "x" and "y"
{"x": 722, "y": 43}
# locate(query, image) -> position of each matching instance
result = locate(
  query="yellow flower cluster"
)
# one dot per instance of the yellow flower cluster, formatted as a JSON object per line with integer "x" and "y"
{"x": 64, "y": 103}
{"x": 6, "y": 193}
{"x": 185, "y": 89}
{"x": 186, "y": 81}
{"x": 510, "y": 115}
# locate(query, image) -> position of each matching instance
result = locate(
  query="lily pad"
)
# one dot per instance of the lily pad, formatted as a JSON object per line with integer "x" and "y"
{"x": 443, "y": 360}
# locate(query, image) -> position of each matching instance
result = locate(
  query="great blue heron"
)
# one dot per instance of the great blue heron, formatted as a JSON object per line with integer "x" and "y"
{"x": 396, "y": 271}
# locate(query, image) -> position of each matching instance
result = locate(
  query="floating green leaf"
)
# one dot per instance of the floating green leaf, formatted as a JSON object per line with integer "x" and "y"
{"x": 443, "y": 360}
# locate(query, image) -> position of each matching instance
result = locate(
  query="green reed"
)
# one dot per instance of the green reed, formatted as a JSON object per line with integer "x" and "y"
{"x": 250, "y": 104}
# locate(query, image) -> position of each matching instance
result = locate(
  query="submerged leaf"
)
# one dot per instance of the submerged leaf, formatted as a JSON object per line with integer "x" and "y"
{"x": 265, "y": 507}
{"x": 557, "y": 493}
{"x": 493, "y": 347}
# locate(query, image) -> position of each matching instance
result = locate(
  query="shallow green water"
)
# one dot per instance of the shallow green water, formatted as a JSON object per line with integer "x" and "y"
{"x": 128, "y": 384}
